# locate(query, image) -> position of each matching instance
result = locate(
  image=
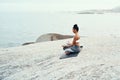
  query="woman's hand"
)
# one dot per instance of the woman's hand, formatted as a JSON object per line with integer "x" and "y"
{"x": 69, "y": 43}
{"x": 63, "y": 45}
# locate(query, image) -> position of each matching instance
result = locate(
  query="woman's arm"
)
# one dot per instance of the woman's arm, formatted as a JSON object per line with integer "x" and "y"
{"x": 74, "y": 40}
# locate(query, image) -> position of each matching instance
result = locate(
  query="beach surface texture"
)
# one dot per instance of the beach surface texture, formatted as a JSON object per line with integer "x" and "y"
{"x": 98, "y": 60}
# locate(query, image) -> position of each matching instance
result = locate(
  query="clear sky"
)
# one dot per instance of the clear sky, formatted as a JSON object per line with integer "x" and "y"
{"x": 56, "y": 5}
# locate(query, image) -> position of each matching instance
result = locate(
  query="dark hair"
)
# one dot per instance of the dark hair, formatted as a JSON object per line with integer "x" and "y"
{"x": 76, "y": 27}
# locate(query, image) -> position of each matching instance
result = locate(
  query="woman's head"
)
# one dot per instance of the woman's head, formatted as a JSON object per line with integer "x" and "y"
{"x": 75, "y": 28}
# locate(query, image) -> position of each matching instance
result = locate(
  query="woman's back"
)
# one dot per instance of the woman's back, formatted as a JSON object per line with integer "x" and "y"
{"x": 76, "y": 39}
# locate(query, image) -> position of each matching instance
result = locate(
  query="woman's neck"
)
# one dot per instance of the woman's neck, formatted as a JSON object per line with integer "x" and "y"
{"x": 76, "y": 33}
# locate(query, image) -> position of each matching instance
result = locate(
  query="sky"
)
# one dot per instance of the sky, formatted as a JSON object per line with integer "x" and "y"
{"x": 55, "y": 5}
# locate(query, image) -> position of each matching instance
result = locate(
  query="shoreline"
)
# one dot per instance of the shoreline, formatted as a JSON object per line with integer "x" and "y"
{"x": 56, "y": 39}
{"x": 47, "y": 37}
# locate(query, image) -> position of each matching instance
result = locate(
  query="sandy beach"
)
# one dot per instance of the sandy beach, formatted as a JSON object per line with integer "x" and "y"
{"x": 99, "y": 60}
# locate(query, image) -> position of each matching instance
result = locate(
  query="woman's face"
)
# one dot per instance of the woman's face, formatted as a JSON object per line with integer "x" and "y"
{"x": 73, "y": 30}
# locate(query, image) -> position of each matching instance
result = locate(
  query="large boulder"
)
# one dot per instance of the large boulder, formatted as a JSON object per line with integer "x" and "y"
{"x": 52, "y": 37}
{"x": 49, "y": 37}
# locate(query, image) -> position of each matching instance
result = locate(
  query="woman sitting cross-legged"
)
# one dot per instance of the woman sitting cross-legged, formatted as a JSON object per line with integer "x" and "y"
{"x": 74, "y": 46}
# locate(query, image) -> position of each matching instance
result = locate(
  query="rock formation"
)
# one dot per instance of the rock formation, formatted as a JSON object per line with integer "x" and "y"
{"x": 52, "y": 37}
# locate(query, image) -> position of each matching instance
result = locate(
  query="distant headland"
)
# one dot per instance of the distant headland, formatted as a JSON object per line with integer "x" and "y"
{"x": 100, "y": 11}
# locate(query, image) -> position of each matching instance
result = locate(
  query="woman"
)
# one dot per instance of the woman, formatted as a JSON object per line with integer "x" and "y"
{"x": 75, "y": 45}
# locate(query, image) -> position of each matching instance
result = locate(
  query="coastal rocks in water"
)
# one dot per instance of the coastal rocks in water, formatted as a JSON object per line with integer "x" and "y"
{"x": 27, "y": 43}
{"x": 52, "y": 37}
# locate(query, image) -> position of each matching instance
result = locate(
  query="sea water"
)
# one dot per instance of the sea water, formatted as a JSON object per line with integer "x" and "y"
{"x": 18, "y": 28}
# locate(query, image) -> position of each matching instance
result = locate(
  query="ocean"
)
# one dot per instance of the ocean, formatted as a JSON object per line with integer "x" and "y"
{"x": 18, "y": 28}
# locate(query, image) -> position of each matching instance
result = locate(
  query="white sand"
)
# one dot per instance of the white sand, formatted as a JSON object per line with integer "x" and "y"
{"x": 99, "y": 60}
